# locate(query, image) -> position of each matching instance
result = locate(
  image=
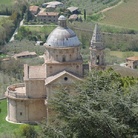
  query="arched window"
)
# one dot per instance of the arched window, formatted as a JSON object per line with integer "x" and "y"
{"x": 97, "y": 61}
{"x": 50, "y": 69}
{"x": 63, "y": 58}
{"x": 57, "y": 57}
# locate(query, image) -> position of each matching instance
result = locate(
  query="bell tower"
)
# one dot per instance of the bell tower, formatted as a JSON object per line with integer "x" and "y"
{"x": 96, "y": 50}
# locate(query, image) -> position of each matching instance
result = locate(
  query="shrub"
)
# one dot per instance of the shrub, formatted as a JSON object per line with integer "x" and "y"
{"x": 26, "y": 130}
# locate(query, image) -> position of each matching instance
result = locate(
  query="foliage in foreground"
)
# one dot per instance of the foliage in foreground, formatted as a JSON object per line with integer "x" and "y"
{"x": 26, "y": 131}
{"x": 101, "y": 107}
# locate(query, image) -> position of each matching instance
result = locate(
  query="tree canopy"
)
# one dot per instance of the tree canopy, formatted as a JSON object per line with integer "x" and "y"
{"x": 99, "y": 107}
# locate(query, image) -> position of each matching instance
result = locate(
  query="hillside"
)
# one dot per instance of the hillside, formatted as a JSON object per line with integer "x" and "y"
{"x": 91, "y": 6}
{"x": 124, "y": 71}
{"x": 125, "y": 15}
{"x": 6, "y": 2}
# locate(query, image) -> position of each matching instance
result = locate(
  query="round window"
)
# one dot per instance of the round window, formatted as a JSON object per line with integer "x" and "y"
{"x": 65, "y": 78}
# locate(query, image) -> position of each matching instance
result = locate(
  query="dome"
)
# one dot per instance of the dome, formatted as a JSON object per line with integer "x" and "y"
{"x": 62, "y": 18}
{"x": 62, "y": 36}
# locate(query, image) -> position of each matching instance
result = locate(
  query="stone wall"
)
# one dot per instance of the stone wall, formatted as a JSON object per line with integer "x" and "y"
{"x": 21, "y": 111}
{"x": 62, "y": 54}
{"x": 35, "y": 88}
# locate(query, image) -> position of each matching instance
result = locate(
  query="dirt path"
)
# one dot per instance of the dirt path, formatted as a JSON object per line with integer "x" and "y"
{"x": 16, "y": 30}
{"x": 109, "y": 8}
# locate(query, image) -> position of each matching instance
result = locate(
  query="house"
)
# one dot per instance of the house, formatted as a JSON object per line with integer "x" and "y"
{"x": 34, "y": 9}
{"x": 48, "y": 17}
{"x": 50, "y": 8}
{"x": 74, "y": 10}
{"x": 53, "y": 4}
{"x": 73, "y": 17}
{"x": 25, "y": 54}
{"x": 27, "y": 102}
{"x": 132, "y": 62}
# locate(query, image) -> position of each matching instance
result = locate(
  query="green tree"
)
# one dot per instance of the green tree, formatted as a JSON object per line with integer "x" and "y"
{"x": 100, "y": 107}
{"x": 28, "y": 16}
{"x": 26, "y": 131}
{"x": 84, "y": 14}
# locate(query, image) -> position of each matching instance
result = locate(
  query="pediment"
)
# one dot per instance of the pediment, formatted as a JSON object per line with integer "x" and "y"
{"x": 63, "y": 77}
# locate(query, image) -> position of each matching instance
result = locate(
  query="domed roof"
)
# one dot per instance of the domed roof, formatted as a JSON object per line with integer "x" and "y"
{"x": 62, "y": 36}
{"x": 61, "y": 17}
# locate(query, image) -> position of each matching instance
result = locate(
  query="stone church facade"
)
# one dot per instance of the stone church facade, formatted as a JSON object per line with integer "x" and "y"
{"x": 63, "y": 65}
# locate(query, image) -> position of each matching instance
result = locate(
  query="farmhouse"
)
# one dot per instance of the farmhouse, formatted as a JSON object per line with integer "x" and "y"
{"x": 63, "y": 65}
{"x": 73, "y": 17}
{"x": 25, "y": 54}
{"x": 73, "y": 10}
{"x": 48, "y": 17}
{"x": 132, "y": 62}
{"x": 53, "y": 3}
{"x": 34, "y": 9}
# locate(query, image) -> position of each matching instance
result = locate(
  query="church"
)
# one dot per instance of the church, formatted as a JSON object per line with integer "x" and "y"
{"x": 63, "y": 65}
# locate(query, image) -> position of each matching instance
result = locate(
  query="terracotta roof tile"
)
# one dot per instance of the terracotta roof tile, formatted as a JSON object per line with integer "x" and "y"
{"x": 132, "y": 58}
{"x": 73, "y": 16}
{"x": 71, "y": 9}
{"x": 48, "y": 14}
{"x": 24, "y": 53}
{"x": 33, "y": 8}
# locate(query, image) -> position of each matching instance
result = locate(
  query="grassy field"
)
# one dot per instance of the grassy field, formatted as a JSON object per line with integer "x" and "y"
{"x": 5, "y": 127}
{"x": 1, "y": 18}
{"x": 7, "y": 2}
{"x": 120, "y": 54}
{"x": 125, "y": 15}
{"x": 9, "y": 129}
{"x": 47, "y": 29}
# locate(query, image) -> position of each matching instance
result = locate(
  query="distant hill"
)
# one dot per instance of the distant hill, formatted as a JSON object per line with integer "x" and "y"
{"x": 6, "y": 2}
{"x": 124, "y": 71}
{"x": 125, "y": 15}
{"x": 91, "y": 6}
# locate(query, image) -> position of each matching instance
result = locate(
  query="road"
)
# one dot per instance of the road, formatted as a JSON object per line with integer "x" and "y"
{"x": 21, "y": 24}
{"x": 38, "y": 25}
{"x": 4, "y": 16}
{"x": 109, "y": 8}
{"x": 16, "y": 31}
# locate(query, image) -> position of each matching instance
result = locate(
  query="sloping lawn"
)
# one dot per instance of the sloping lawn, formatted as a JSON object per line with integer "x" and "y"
{"x": 120, "y": 54}
{"x": 9, "y": 129}
{"x": 5, "y": 127}
{"x": 125, "y": 15}
{"x": 7, "y": 2}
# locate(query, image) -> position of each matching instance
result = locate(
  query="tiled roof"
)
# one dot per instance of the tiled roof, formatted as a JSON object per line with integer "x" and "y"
{"x": 132, "y": 58}
{"x": 48, "y": 14}
{"x": 71, "y": 9}
{"x": 50, "y": 6}
{"x": 25, "y": 53}
{"x": 54, "y": 3}
{"x": 33, "y": 8}
{"x": 73, "y": 16}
